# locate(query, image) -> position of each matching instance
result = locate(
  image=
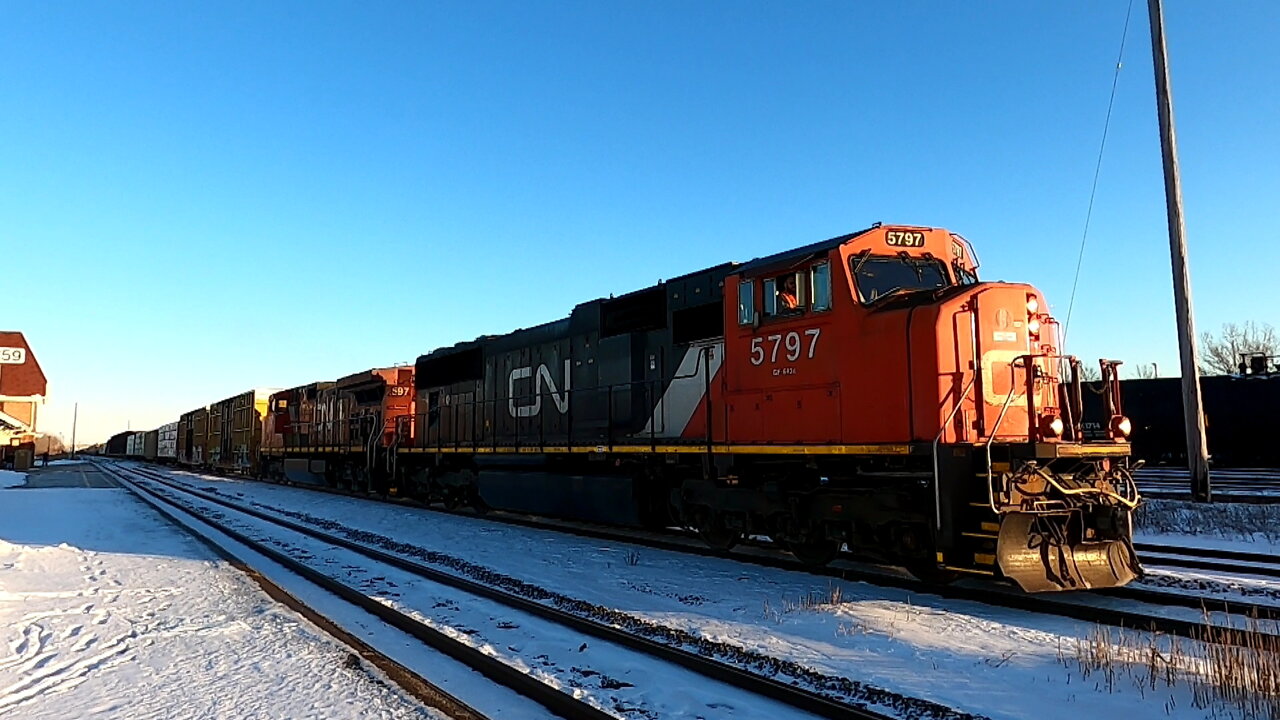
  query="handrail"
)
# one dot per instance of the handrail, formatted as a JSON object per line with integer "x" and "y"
{"x": 991, "y": 438}
{"x": 1131, "y": 504}
{"x": 937, "y": 485}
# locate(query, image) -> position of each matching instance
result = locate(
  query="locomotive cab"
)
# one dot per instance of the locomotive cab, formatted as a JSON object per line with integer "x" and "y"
{"x": 941, "y": 419}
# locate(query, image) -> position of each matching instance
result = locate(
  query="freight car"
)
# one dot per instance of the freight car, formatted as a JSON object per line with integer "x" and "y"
{"x": 118, "y": 445}
{"x": 867, "y": 391}
{"x": 167, "y": 443}
{"x": 142, "y": 445}
{"x": 1240, "y": 413}
{"x": 193, "y": 432}
{"x": 234, "y": 432}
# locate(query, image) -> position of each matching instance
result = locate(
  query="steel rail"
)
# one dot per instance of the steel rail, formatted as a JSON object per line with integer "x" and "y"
{"x": 492, "y": 668}
{"x": 1211, "y": 559}
{"x": 797, "y": 697}
{"x": 413, "y": 683}
{"x": 986, "y": 593}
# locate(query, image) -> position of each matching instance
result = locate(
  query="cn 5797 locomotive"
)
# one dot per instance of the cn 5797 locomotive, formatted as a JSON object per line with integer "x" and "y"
{"x": 866, "y": 392}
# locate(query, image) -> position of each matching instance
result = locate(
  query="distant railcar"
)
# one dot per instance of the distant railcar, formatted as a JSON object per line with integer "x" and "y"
{"x": 193, "y": 438}
{"x": 1240, "y": 414}
{"x": 235, "y": 431}
{"x": 118, "y": 445}
{"x": 167, "y": 443}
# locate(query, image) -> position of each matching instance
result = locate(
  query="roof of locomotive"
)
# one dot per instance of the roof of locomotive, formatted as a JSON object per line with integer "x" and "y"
{"x": 787, "y": 257}
{"x": 561, "y": 327}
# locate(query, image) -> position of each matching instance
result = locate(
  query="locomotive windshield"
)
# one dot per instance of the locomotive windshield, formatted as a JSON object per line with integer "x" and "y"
{"x": 877, "y": 277}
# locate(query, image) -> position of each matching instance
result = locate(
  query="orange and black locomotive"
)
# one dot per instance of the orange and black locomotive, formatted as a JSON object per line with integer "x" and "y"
{"x": 867, "y": 391}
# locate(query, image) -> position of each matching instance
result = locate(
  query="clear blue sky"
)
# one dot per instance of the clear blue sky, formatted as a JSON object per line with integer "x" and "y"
{"x": 196, "y": 200}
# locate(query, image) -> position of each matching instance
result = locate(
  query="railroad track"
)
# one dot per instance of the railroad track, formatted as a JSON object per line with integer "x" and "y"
{"x": 1091, "y": 606}
{"x": 1261, "y": 485}
{"x": 1229, "y": 561}
{"x": 415, "y": 684}
{"x": 827, "y": 696}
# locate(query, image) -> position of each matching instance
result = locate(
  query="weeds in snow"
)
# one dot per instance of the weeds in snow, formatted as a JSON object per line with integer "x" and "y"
{"x": 632, "y": 557}
{"x": 1234, "y": 672}
{"x": 813, "y": 600}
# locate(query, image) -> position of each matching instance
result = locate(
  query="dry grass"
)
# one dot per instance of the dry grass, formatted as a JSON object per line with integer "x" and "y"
{"x": 1228, "y": 673}
{"x": 813, "y": 600}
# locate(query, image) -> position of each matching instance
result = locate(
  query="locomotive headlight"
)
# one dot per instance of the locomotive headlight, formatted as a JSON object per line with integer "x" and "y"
{"x": 1051, "y": 426}
{"x": 1033, "y": 305}
{"x": 1033, "y": 327}
{"x": 1121, "y": 426}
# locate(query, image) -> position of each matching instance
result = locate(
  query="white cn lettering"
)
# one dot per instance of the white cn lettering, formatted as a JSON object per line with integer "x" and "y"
{"x": 561, "y": 399}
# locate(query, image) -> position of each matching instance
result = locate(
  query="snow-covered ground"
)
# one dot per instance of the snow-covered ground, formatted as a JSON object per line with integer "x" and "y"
{"x": 969, "y": 656}
{"x": 9, "y": 478}
{"x": 603, "y": 674}
{"x": 109, "y": 612}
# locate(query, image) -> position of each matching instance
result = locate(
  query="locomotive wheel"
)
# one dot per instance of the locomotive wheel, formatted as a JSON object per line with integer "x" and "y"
{"x": 452, "y": 499}
{"x": 720, "y": 538}
{"x": 814, "y": 552}
{"x": 932, "y": 574}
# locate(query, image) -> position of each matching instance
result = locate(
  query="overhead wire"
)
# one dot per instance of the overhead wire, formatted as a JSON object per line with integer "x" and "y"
{"x": 1097, "y": 171}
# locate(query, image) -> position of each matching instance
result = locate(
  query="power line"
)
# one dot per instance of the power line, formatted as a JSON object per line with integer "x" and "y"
{"x": 1097, "y": 170}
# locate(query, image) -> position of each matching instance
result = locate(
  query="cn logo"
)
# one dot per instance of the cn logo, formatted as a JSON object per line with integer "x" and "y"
{"x": 561, "y": 399}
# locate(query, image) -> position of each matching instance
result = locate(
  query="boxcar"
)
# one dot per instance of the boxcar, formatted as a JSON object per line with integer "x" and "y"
{"x": 167, "y": 443}
{"x": 235, "y": 431}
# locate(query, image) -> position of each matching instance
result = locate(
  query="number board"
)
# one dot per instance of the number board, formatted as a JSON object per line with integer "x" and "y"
{"x": 12, "y": 355}
{"x": 904, "y": 238}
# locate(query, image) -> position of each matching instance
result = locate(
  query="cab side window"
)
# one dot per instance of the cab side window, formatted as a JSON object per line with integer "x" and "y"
{"x": 820, "y": 279}
{"x": 770, "y": 287}
{"x": 746, "y": 302}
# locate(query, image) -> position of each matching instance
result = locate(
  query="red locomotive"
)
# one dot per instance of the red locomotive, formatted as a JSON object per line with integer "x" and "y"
{"x": 867, "y": 392}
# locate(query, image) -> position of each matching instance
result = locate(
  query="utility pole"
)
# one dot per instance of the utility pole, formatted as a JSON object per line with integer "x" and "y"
{"x": 1193, "y": 411}
{"x": 75, "y": 416}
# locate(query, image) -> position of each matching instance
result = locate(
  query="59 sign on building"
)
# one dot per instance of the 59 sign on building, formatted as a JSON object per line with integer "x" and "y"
{"x": 13, "y": 355}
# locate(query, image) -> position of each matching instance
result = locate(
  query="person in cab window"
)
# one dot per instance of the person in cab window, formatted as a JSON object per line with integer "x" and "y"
{"x": 788, "y": 300}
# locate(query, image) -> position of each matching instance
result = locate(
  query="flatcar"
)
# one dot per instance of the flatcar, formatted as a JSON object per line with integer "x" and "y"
{"x": 867, "y": 392}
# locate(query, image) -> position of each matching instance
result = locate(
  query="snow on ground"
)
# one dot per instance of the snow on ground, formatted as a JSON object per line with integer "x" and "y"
{"x": 1233, "y": 526}
{"x": 607, "y": 675}
{"x": 969, "y": 656}
{"x": 110, "y": 612}
{"x": 9, "y": 478}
